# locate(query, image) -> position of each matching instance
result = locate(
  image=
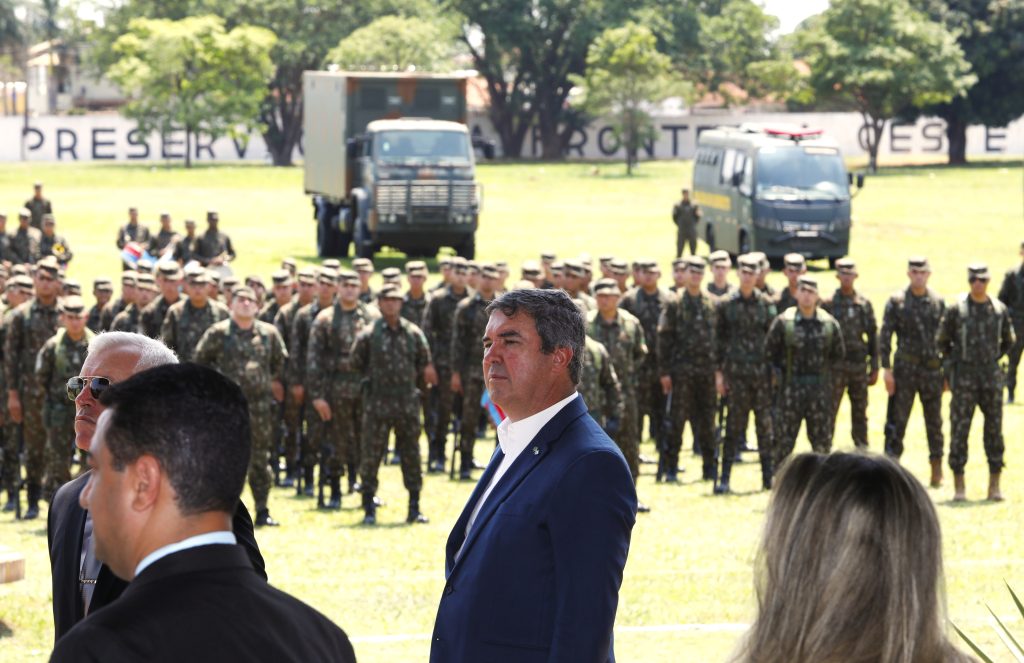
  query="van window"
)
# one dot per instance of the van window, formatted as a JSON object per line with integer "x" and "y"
{"x": 728, "y": 163}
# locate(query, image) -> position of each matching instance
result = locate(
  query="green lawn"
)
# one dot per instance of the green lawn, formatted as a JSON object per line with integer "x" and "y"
{"x": 688, "y": 581}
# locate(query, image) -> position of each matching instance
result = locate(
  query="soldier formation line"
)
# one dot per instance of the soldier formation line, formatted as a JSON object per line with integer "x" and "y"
{"x": 331, "y": 367}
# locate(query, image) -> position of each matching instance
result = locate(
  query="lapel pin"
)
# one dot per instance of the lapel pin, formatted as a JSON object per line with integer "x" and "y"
{"x": 535, "y": 450}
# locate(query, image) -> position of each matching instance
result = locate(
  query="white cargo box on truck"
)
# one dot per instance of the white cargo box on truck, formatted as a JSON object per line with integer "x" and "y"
{"x": 324, "y": 122}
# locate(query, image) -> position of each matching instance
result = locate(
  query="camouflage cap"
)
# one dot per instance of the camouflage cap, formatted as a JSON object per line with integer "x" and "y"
{"x": 719, "y": 257}
{"x": 170, "y": 270}
{"x": 24, "y": 213}
{"x": 48, "y": 264}
{"x": 473, "y": 266}
{"x": 327, "y": 275}
{"x": 846, "y": 266}
{"x": 19, "y": 269}
{"x": 71, "y": 305}
{"x": 762, "y": 259}
{"x": 229, "y": 282}
{"x": 281, "y": 277}
{"x": 10, "y": 285}
{"x": 289, "y": 264}
{"x": 695, "y": 264}
{"x": 679, "y": 263}
{"x": 197, "y": 276}
{"x": 72, "y": 288}
{"x": 574, "y": 267}
{"x": 619, "y": 267}
{"x": 807, "y": 283}
{"x": 794, "y": 260}
{"x": 331, "y": 263}
{"x": 749, "y": 263}
{"x": 605, "y": 259}
{"x": 523, "y": 285}
{"x": 417, "y": 267}
{"x": 557, "y": 267}
{"x": 144, "y": 266}
{"x": 647, "y": 264}
{"x": 390, "y": 291}
{"x": 38, "y": 184}
{"x": 129, "y": 277}
{"x": 244, "y": 291}
{"x": 459, "y": 264}
{"x": 49, "y": 219}
{"x": 254, "y": 281}
{"x": 103, "y": 284}
{"x": 548, "y": 256}
{"x": 307, "y": 275}
{"x": 978, "y": 271}
{"x": 442, "y": 262}
{"x": 606, "y": 287}
{"x": 212, "y": 215}
{"x": 502, "y": 265}
{"x": 490, "y": 271}
{"x": 146, "y": 282}
{"x": 391, "y": 273}
{"x": 530, "y": 268}
{"x": 23, "y": 281}
{"x": 190, "y": 222}
{"x": 348, "y": 276}
{"x": 918, "y": 263}
{"x": 362, "y": 265}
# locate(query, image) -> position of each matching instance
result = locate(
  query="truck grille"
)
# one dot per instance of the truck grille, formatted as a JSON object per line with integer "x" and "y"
{"x": 408, "y": 197}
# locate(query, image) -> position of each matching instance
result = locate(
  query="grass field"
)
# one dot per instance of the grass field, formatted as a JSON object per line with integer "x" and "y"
{"x": 688, "y": 585}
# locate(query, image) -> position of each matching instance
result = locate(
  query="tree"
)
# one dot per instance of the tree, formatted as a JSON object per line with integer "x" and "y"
{"x": 193, "y": 75}
{"x": 733, "y": 39}
{"x": 625, "y": 75}
{"x": 990, "y": 35}
{"x": 883, "y": 56}
{"x": 397, "y": 43}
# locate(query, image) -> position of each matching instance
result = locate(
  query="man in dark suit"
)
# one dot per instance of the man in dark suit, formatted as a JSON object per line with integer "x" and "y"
{"x": 535, "y": 561}
{"x": 80, "y": 583}
{"x": 169, "y": 458}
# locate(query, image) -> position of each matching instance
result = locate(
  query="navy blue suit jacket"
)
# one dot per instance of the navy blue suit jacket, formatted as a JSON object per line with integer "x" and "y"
{"x": 539, "y": 574}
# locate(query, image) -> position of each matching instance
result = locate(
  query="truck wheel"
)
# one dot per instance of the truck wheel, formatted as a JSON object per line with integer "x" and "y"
{"x": 467, "y": 249}
{"x": 330, "y": 243}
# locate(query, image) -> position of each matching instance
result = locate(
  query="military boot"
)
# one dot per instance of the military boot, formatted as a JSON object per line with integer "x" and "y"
{"x": 722, "y": 486}
{"x": 263, "y": 519}
{"x": 32, "y": 512}
{"x": 936, "y": 480}
{"x": 1009, "y": 394}
{"x": 353, "y": 482}
{"x": 766, "y": 472}
{"x": 710, "y": 471}
{"x": 370, "y": 509}
{"x": 307, "y": 488}
{"x": 289, "y": 475}
{"x": 12, "y": 501}
{"x": 415, "y": 515}
{"x": 994, "y": 494}
{"x": 335, "y": 501}
{"x": 959, "y": 488}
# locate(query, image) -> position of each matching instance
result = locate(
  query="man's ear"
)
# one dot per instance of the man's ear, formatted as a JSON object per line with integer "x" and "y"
{"x": 561, "y": 357}
{"x": 144, "y": 478}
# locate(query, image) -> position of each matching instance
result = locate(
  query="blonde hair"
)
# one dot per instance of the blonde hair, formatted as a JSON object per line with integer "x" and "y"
{"x": 850, "y": 567}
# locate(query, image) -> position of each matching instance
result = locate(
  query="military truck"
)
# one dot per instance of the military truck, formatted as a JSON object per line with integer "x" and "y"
{"x": 778, "y": 189}
{"x": 389, "y": 162}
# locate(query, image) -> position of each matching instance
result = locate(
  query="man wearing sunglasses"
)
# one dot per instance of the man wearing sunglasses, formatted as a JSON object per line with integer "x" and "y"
{"x": 31, "y": 325}
{"x": 80, "y": 583}
{"x": 973, "y": 336}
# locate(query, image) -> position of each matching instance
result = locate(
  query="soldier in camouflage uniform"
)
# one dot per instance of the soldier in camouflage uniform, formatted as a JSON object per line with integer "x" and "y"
{"x": 804, "y": 345}
{"x": 859, "y": 369}
{"x": 284, "y": 424}
{"x": 647, "y": 302}
{"x": 294, "y": 409}
{"x": 438, "y": 327}
{"x": 188, "y": 320}
{"x": 623, "y": 337}
{"x": 168, "y": 280}
{"x": 444, "y": 264}
{"x": 185, "y": 247}
{"x": 414, "y": 306}
{"x": 52, "y": 244}
{"x": 599, "y": 386}
{"x": 281, "y": 292}
{"x": 133, "y": 231}
{"x": 102, "y": 291}
{"x": 129, "y": 319}
{"x": 252, "y": 354}
{"x": 913, "y": 315}
{"x": 165, "y": 239}
{"x": 60, "y": 358}
{"x": 686, "y": 215}
{"x": 575, "y": 283}
{"x": 742, "y": 324}
{"x": 213, "y": 248}
{"x": 393, "y": 355}
{"x": 25, "y": 243}
{"x": 686, "y": 366}
{"x": 28, "y": 328}
{"x": 720, "y": 288}
{"x": 680, "y": 275}
{"x": 1011, "y": 293}
{"x": 762, "y": 276}
{"x": 364, "y": 267}
{"x": 794, "y": 266}
{"x": 17, "y": 294}
{"x": 295, "y": 371}
{"x": 972, "y": 336}
{"x": 467, "y": 356}
{"x": 129, "y": 292}
{"x": 38, "y": 206}
{"x": 333, "y": 385}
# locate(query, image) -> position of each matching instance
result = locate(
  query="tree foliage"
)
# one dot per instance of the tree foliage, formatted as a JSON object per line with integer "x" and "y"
{"x": 397, "y": 43}
{"x": 883, "y": 56}
{"x": 193, "y": 75}
{"x": 625, "y": 75}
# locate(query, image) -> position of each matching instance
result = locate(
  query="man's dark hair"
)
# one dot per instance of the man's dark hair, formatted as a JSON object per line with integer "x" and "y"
{"x": 559, "y": 323}
{"x": 194, "y": 421}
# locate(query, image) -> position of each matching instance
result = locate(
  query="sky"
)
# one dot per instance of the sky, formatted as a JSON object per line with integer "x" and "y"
{"x": 791, "y": 12}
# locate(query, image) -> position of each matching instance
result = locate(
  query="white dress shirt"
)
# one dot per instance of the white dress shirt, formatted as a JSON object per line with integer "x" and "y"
{"x": 513, "y": 438}
{"x": 227, "y": 538}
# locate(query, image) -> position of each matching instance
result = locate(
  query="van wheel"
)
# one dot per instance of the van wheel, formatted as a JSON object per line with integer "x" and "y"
{"x": 744, "y": 243}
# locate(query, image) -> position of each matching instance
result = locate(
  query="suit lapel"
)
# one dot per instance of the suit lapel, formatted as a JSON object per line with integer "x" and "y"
{"x": 532, "y": 455}
{"x": 458, "y": 533}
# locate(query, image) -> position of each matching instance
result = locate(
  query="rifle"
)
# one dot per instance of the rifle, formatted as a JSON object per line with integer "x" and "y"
{"x": 19, "y": 450}
{"x": 279, "y": 445}
{"x": 890, "y": 427}
{"x": 326, "y": 453}
{"x": 456, "y": 434}
{"x": 300, "y": 462}
{"x": 723, "y": 404}
{"x": 664, "y": 431}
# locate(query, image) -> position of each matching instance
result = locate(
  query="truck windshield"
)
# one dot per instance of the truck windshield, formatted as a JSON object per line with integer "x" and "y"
{"x": 809, "y": 173}
{"x": 416, "y": 145}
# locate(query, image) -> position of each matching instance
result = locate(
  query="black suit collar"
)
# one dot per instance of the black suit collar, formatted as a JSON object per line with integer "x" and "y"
{"x": 213, "y": 557}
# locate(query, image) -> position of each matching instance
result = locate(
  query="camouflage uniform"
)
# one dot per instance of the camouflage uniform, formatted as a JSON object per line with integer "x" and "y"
{"x": 330, "y": 376}
{"x": 38, "y": 207}
{"x": 151, "y": 320}
{"x": 252, "y": 358}
{"x": 414, "y": 310}
{"x": 161, "y": 241}
{"x": 130, "y": 232}
{"x": 211, "y": 244}
{"x": 467, "y": 356}
{"x": 28, "y": 328}
{"x": 1011, "y": 293}
{"x": 600, "y": 387}
{"x": 295, "y": 374}
{"x": 392, "y": 361}
{"x": 127, "y": 320}
{"x": 686, "y": 215}
{"x": 269, "y": 311}
{"x": 741, "y": 328}
{"x": 647, "y": 308}
{"x": 11, "y": 431}
{"x": 110, "y": 311}
{"x": 293, "y": 412}
{"x": 804, "y": 352}
{"x": 439, "y": 327}
{"x": 784, "y": 299}
{"x": 972, "y": 337}
{"x": 856, "y": 319}
{"x": 719, "y": 295}
{"x": 93, "y": 321}
{"x": 59, "y": 359}
{"x": 25, "y": 245}
{"x": 623, "y": 338}
{"x": 185, "y": 324}
{"x": 916, "y": 366}
{"x": 56, "y": 246}
{"x": 686, "y": 352}
{"x": 185, "y": 249}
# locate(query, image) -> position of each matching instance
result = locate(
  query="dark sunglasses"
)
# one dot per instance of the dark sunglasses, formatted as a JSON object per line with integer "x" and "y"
{"x": 97, "y": 386}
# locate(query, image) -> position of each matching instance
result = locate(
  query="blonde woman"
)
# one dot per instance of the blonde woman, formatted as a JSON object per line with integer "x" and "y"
{"x": 850, "y": 568}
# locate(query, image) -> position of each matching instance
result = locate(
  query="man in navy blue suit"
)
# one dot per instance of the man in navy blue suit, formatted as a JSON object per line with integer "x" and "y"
{"x": 534, "y": 563}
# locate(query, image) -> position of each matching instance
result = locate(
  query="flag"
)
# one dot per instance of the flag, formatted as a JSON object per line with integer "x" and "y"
{"x": 493, "y": 411}
{"x": 133, "y": 252}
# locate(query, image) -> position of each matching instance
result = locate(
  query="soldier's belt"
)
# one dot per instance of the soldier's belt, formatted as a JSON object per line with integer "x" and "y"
{"x": 931, "y": 363}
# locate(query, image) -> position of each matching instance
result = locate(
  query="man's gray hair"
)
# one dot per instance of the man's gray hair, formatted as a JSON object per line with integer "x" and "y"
{"x": 151, "y": 352}
{"x": 557, "y": 320}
